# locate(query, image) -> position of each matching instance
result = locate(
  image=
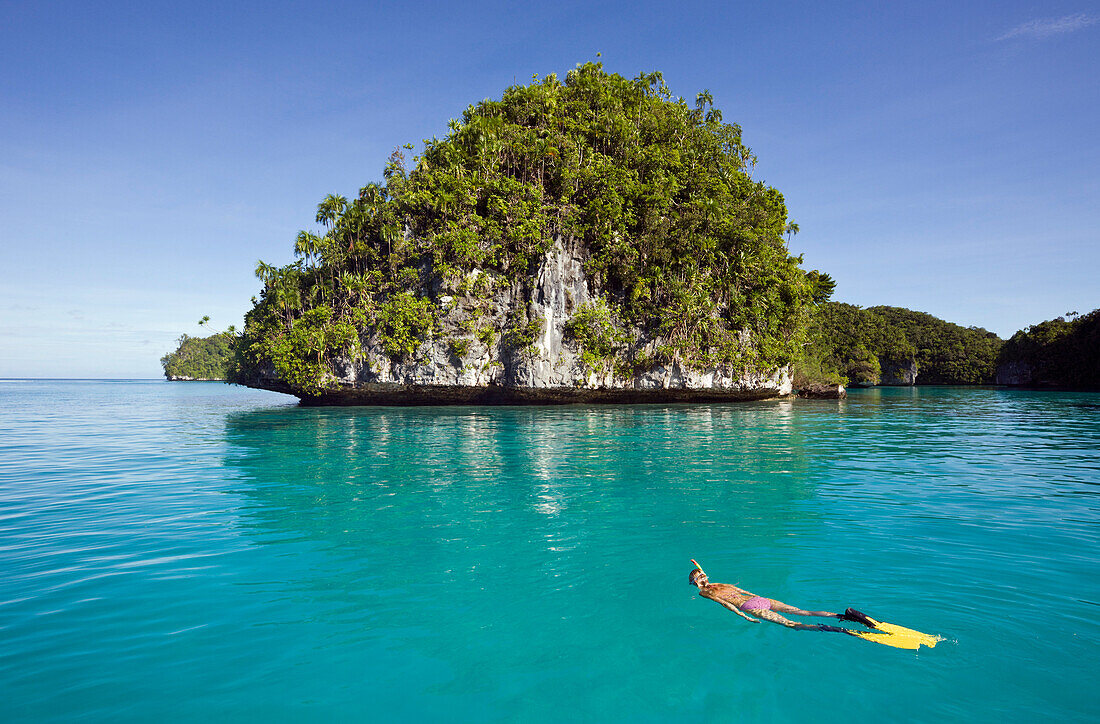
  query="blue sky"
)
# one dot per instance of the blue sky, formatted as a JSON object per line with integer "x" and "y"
{"x": 937, "y": 156}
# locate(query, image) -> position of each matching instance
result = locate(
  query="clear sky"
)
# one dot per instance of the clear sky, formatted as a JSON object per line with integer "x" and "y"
{"x": 939, "y": 156}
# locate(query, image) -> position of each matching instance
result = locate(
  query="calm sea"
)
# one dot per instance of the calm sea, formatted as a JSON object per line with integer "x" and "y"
{"x": 188, "y": 552}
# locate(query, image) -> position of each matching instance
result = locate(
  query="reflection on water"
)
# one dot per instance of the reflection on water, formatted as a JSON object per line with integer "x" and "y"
{"x": 333, "y": 474}
{"x": 538, "y": 542}
{"x": 455, "y": 492}
{"x": 471, "y": 526}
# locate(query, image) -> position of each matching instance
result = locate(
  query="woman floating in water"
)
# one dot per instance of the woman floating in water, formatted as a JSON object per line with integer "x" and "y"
{"x": 744, "y": 603}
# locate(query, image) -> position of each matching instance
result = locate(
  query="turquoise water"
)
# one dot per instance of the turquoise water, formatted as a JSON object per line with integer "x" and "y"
{"x": 196, "y": 551}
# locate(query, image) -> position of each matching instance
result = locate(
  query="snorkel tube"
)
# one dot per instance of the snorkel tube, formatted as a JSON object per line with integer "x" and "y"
{"x": 699, "y": 567}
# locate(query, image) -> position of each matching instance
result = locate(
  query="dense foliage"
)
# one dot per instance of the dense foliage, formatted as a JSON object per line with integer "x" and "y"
{"x": 947, "y": 354}
{"x": 864, "y": 345}
{"x": 685, "y": 247}
{"x": 200, "y": 358}
{"x": 1059, "y": 352}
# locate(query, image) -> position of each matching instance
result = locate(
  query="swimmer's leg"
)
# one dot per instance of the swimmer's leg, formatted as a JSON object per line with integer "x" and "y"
{"x": 858, "y": 617}
{"x": 794, "y": 611}
{"x": 782, "y": 621}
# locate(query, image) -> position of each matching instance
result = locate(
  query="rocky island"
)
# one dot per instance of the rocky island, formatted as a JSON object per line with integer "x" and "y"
{"x": 592, "y": 239}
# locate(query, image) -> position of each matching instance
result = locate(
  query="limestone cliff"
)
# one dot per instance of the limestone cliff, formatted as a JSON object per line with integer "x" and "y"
{"x": 899, "y": 375}
{"x": 487, "y": 369}
{"x": 1016, "y": 373}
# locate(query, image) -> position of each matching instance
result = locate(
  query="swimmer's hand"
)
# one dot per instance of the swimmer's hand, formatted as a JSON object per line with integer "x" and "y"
{"x": 746, "y": 617}
{"x": 738, "y": 611}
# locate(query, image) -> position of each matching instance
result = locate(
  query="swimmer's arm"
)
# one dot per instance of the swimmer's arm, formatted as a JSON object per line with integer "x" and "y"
{"x": 738, "y": 611}
{"x": 727, "y": 604}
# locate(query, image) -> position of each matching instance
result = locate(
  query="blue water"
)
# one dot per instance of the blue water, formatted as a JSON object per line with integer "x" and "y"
{"x": 196, "y": 551}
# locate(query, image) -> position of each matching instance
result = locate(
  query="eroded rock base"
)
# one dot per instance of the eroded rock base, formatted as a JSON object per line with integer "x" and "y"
{"x": 411, "y": 395}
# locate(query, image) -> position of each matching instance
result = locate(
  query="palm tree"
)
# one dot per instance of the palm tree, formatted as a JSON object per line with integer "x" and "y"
{"x": 703, "y": 100}
{"x": 308, "y": 246}
{"x": 372, "y": 195}
{"x": 265, "y": 272}
{"x": 822, "y": 286}
{"x": 330, "y": 209}
{"x": 205, "y": 322}
{"x": 790, "y": 231}
{"x": 287, "y": 291}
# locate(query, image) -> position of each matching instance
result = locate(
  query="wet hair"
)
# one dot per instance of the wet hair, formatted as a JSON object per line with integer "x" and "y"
{"x": 695, "y": 573}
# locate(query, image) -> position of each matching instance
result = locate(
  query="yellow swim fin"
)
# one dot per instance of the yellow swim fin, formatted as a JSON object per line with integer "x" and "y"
{"x": 898, "y": 642}
{"x": 910, "y": 635}
{"x": 897, "y": 636}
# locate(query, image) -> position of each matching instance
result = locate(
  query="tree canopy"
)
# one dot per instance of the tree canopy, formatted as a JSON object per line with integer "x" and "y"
{"x": 684, "y": 246}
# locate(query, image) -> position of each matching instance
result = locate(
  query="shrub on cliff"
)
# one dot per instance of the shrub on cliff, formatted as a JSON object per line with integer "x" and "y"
{"x": 682, "y": 243}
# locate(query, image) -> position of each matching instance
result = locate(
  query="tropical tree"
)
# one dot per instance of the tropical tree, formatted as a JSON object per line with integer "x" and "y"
{"x": 330, "y": 209}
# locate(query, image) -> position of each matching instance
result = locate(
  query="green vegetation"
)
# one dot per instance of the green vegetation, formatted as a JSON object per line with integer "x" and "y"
{"x": 402, "y": 321}
{"x": 522, "y": 333}
{"x": 869, "y": 346}
{"x": 596, "y": 331}
{"x": 684, "y": 247}
{"x": 946, "y": 353}
{"x": 200, "y": 358}
{"x": 1059, "y": 352}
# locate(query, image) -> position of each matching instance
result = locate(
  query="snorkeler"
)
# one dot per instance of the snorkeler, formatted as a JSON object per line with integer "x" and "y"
{"x": 744, "y": 603}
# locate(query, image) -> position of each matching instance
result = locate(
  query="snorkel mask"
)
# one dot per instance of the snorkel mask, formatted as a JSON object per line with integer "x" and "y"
{"x": 700, "y": 569}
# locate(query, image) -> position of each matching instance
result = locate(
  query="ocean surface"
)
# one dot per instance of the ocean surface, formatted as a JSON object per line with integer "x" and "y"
{"x": 195, "y": 551}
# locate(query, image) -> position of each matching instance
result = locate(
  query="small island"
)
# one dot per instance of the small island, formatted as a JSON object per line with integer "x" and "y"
{"x": 1059, "y": 353}
{"x": 200, "y": 359}
{"x": 592, "y": 239}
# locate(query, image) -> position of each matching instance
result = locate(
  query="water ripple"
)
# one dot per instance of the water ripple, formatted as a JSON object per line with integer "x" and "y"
{"x": 200, "y": 551}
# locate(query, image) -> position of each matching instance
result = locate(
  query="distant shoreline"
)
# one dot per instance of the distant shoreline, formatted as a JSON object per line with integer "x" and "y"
{"x": 82, "y": 379}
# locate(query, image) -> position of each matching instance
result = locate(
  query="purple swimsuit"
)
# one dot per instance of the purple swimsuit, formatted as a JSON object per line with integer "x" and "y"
{"x": 756, "y": 603}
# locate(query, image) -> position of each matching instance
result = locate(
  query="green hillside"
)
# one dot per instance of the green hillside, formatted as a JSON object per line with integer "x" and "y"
{"x": 882, "y": 344}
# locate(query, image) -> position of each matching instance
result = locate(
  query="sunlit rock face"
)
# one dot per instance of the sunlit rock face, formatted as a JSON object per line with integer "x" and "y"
{"x": 549, "y": 371}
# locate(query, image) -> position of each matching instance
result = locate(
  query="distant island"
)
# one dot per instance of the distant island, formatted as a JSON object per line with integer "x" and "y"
{"x": 895, "y": 346}
{"x": 200, "y": 358}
